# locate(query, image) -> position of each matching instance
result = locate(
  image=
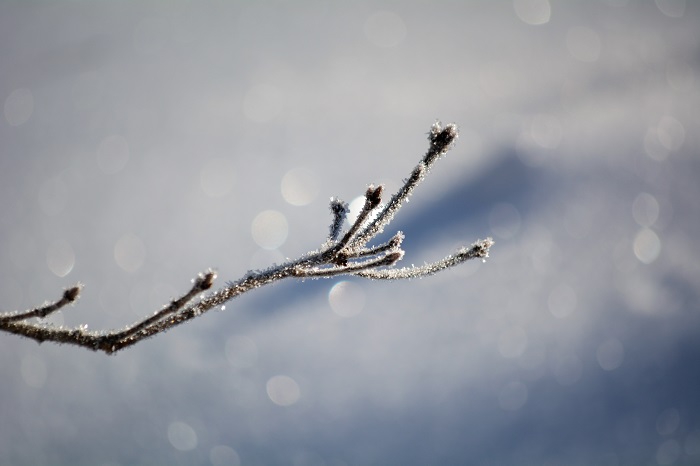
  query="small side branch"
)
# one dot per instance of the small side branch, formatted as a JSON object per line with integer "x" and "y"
{"x": 343, "y": 254}
{"x": 69, "y": 297}
{"x": 478, "y": 250}
{"x": 340, "y": 210}
{"x": 441, "y": 140}
{"x": 373, "y": 197}
{"x": 394, "y": 244}
{"x": 202, "y": 283}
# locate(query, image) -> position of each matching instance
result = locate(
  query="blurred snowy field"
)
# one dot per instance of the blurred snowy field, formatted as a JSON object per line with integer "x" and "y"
{"x": 143, "y": 142}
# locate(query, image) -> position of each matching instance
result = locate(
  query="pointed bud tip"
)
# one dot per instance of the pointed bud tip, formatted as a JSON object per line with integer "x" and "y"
{"x": 205, "y": 280}
{"x": 397, "y": 240}
{"x": 483, "y": 247}
{"x": 338, "y": 206}
{"x": 394, "y": 257}
{"x": 441, "y": 140}
{"x": 443, "y": 136}
{"x": 374, "y": 195}
{"x": 71, "y": 294}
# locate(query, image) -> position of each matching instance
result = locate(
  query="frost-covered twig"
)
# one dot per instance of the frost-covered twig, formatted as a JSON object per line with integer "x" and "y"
{"x": 341, "y": 254}
{"x": 69, "y": 296}
{"x": 340, "y": 210}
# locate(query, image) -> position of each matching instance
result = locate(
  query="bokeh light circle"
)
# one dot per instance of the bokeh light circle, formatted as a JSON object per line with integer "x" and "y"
{"x": 299, "y": 186}
{"x": 270, "y": 229}
{"x": 283, "y": 390}
{"x": 217, "y": 177}
{"x": 182, "y": 436}
{"x": 130, "y": 252}
{"x": 533, "y": 12}
{"x": 645, "y": 209}
{"x": 60, "y": 258}
{"x": 347, "y": 299}
{"x": 610, "y": 354}
{"x": 223, "y": 455}
{"x": 647, "y": 246}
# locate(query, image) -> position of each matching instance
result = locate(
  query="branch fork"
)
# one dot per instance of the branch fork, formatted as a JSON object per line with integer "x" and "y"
{"x": 347, "y": 253}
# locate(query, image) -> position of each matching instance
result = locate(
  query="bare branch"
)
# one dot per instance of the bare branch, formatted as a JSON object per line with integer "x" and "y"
{"x": 69, "y": 297}
{"x": 340, "y": 210}
{"x": 201, "y": 283}
{"x": 348, "y": 255}
{"x": 479, "y": 249}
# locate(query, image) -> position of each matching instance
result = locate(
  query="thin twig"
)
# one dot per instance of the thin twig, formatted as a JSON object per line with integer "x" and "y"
{"x": 354, "y": 268}
{"x": 201, "y": 283}
{"x": 69, "y": 297}
{"x": 348, "y": 255}
{"x": 478, "y": 250}
{"x": 441, "y": 140}
{"x": 393, "y": 244}
{"x": 340, "y": 210}
{"x": 373, "y": 197}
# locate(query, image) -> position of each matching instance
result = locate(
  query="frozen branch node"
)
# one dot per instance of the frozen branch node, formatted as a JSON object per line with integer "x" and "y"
{"x": 341, "y": 254}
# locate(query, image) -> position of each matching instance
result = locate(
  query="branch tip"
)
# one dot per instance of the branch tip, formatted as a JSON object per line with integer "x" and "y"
{"x": 393, "y": 257}
{"x": 441, "y": 140}
{"x": 443, "y": 136}
{"x": 71, "y": 294}
{"x": 338, "y": 206}
{"x": 340, "y": 210}
{"x": 481, "y": 248}
{"x": 373, "y": 196}
{"x": 396, "y": 240}
{"x": 204, "y": 281}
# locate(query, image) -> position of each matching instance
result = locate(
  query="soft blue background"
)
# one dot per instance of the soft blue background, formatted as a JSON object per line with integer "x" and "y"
{"x": 140, "y": 140}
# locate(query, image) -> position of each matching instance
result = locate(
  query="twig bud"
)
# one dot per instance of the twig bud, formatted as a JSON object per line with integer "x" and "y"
{"x": 441, "y": 140}
{"x": 393, "y": 257}
{"x": 339, "y": 207}
{"x": 205, "y": 281}
{"x": 482, "y": 247}
{"x": 71, "y": 294}
{"x": 373, "y": 196}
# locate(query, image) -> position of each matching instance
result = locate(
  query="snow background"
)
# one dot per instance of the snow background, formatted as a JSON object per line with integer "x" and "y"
{"x": 140, "y": 141}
